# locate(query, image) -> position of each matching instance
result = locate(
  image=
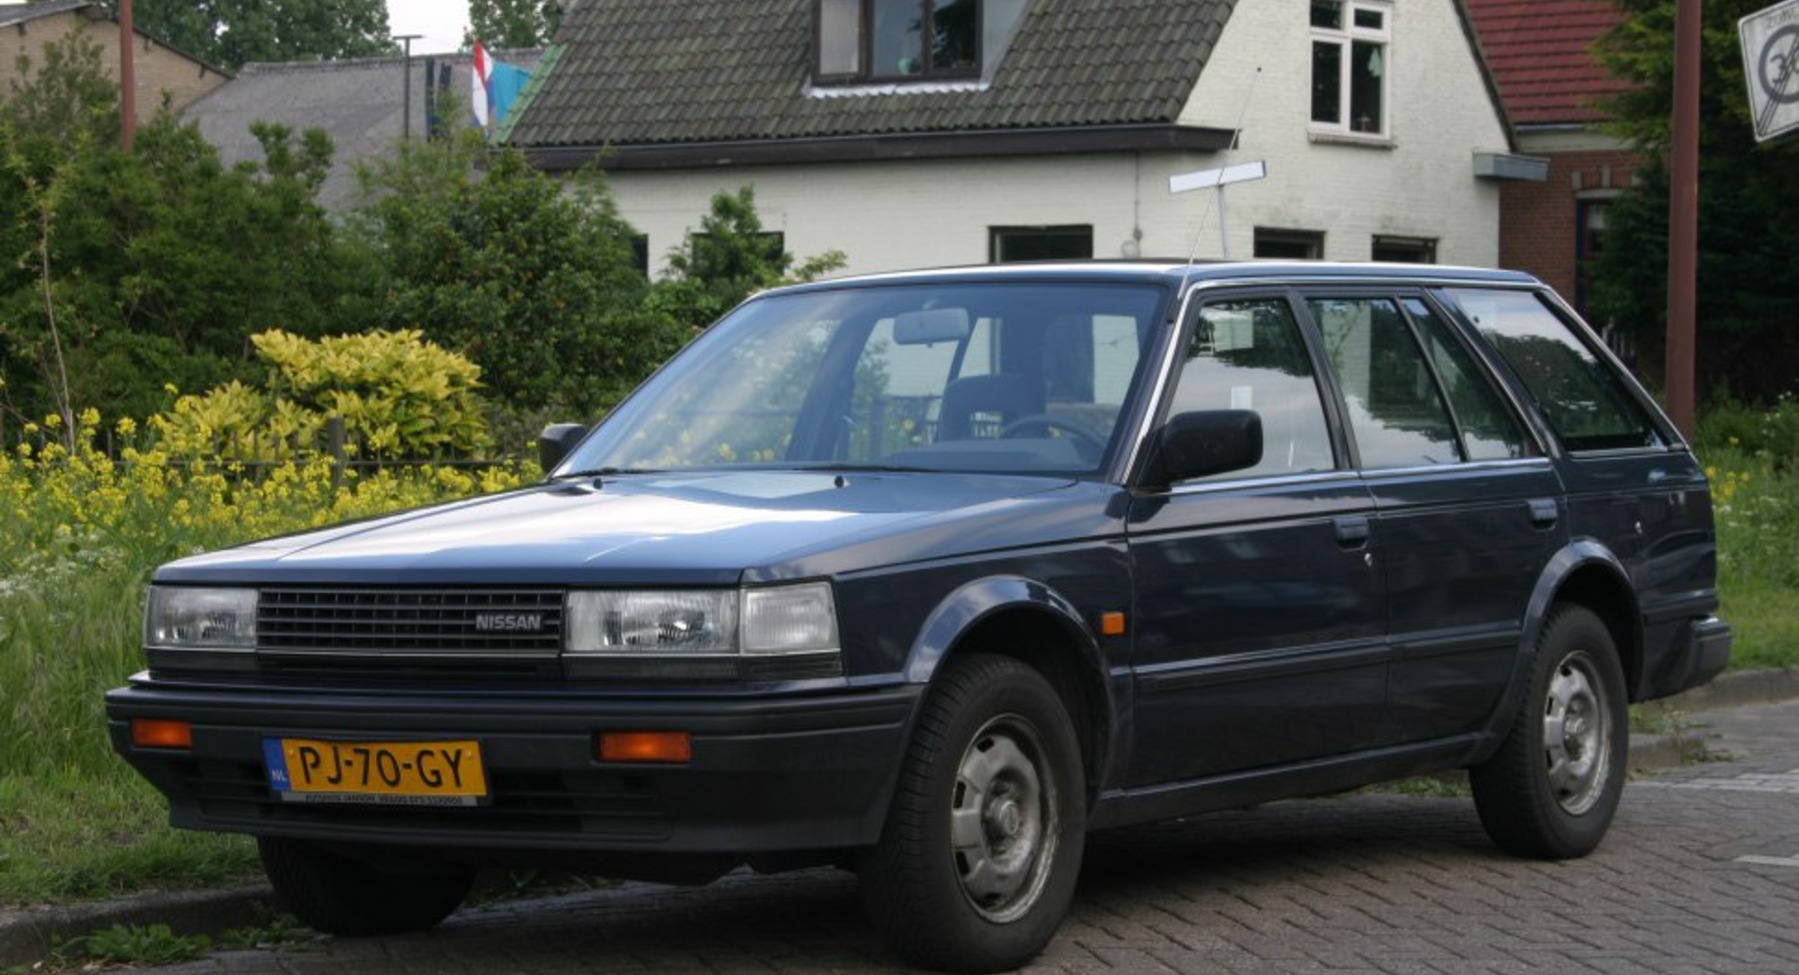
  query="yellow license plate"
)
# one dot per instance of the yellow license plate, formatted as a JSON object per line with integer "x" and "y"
{"x": 413, "y": 773}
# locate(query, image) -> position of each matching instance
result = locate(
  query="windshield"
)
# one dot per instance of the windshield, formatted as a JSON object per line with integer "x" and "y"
{"x": 1008, "y": 378}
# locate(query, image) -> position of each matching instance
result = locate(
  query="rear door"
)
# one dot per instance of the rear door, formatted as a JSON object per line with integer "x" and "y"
{"x": 1468, "y": 510}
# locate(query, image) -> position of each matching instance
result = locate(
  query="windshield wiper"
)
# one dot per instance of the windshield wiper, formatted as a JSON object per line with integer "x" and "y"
{"x": 875, "y": 468}
{"x": 603, "y": 472}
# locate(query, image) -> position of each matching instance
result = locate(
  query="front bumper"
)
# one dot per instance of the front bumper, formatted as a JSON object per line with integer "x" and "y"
{"x": 767, "y": 774}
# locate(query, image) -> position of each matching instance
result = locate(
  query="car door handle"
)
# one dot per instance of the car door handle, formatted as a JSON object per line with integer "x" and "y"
{"x": 1544, "y": 512}
{"x": 1352, "y": 531}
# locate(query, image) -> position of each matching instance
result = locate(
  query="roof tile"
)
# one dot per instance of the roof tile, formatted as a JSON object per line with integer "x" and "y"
{"x": 1540, "y": 52}
{"x": 724, "y": 70}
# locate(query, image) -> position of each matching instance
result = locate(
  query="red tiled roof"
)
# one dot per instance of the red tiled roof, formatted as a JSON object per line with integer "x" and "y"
{"x": 1541, "y": 55}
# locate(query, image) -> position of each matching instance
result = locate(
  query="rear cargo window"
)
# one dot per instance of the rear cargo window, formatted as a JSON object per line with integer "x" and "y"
{"x": 1586, "y": 403}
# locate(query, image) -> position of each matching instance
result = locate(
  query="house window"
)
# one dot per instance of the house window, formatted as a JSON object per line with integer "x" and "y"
{"x": 1349, "y": 66}
{"x": 898, "y": 40}
{"x": 1299, "y": 245}
{"x": 1404, "y": 250}
{"x": 1590, "y": 214}
{"x": 640, "y": 253}
{"x": 1066, "y": 242}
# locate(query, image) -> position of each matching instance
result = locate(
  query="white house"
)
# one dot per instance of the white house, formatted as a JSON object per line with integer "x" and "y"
{"x": 913, "y": 133}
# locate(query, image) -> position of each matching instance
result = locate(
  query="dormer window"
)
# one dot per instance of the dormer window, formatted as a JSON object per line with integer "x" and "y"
{"x": 898, "y": 40}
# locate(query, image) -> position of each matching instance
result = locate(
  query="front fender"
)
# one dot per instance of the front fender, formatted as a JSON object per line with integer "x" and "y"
{"x": 973, "y": 602}
{"x": 965, "y": 609}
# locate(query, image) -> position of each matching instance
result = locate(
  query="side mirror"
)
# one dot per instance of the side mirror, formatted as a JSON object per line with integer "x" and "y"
{"x": 556, "y": 440}
{"x": 1205, "y": 442}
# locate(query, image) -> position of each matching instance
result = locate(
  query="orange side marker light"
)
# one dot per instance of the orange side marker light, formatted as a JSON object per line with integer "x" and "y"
{"x": 662, "y": 747}
{"x": 1111, "y": 624}
{"x": 162, "y": 733}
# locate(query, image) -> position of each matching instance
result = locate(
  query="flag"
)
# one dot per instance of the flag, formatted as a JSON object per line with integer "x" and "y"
{"x": 495, "y": 86}
{"x": 478, "y": 84}
{"x": 503, "y": 89}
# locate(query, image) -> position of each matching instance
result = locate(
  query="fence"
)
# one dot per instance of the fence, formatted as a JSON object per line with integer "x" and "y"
{"x": 256, "y": 454}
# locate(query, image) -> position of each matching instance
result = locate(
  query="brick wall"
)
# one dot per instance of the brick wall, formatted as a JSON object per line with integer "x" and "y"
{"x": 160, "y": 70}
{"x": 1538, "y": 228}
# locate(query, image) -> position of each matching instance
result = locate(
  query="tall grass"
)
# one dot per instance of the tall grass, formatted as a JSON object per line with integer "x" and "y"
{"x": 1752, "y": 457}
{"x": 79, "y": 534}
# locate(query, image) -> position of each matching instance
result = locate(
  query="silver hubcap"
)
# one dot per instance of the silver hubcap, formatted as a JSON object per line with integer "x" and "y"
{"x": 1003, "y": 821}
{"x": 1577, "y": 735}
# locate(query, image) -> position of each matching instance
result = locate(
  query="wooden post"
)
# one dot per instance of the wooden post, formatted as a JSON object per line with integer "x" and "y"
{"x": 127, "y": 76}
{"x": 1683, "y": 220}
{"x": 334, "y": 442}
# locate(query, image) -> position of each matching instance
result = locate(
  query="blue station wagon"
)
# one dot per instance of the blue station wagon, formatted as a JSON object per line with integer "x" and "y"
{"x": 927, "y": 575}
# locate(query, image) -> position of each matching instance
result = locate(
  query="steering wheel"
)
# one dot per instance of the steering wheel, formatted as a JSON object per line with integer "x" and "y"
{"x": 1094, "y": 443}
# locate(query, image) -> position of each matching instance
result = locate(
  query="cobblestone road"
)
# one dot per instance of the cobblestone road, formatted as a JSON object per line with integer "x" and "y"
{"x": 1700, "y": 874}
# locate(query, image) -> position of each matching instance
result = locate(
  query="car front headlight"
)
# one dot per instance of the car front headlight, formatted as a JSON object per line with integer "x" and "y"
{"x": 188, "y": 627}
{"x": 772, "y": 632}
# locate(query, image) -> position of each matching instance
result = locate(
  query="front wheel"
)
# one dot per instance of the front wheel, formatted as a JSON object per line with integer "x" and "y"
{"x": 336, "y": 892}
{"x": 1552, "y": 788}
{"x": 978, "y": 860}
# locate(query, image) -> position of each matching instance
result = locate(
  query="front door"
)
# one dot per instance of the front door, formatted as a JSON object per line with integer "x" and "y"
{"x": 1259, "y": 618}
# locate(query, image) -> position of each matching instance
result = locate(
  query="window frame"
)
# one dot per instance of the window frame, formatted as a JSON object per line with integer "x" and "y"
{"x": 1345, "y": 38}
{"x": 998, "y": 235}
{"x": 1312, "y": 240}
{"x": 864, "y": 41}
{"x": 1425, "y": 248}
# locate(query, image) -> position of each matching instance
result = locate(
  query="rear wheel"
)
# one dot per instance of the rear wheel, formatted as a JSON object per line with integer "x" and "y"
{"x": 1551, "y": 790}
{"x": 978, "y": 860}
{"x": 337, "y": 892}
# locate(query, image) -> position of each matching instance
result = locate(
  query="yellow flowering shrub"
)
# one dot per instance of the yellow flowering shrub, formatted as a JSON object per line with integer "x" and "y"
{"x": 398, "y": 395}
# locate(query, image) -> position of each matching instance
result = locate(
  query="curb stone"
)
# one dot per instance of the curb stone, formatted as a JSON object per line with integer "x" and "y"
{"x": 26, "y": 936}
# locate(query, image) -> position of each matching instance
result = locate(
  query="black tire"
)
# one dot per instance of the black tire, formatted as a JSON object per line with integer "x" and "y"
{"x": 339, "y": 893}
{"x": 1552, "y": 788}
{"x": 995, "y": 752}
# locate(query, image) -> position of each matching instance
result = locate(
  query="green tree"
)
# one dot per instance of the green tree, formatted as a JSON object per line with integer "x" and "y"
{"x": 492, "y": 259}
{"x": 512, "y": 23}
{"x": 1748, "y": 309}
{"x": 66, "y": 96}
{"x": 729, "y": 259}
{"x": 232, "y": 33}
{"x": 128, "y": 271}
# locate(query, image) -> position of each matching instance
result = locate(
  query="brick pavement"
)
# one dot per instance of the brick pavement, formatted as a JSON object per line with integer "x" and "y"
{"x": 1699, "y": 875}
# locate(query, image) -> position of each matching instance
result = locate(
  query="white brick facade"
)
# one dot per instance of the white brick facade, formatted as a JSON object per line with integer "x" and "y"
{"x": 904, "y": 214}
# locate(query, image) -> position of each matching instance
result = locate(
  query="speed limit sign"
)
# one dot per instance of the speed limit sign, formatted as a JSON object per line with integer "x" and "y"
{"x": 1771, "y": 66}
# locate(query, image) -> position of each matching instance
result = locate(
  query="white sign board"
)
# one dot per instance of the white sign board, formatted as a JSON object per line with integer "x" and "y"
{"x": 1771, "y": 64}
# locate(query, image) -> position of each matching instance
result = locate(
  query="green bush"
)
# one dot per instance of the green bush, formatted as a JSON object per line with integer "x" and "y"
{"x": 399, "y": 396}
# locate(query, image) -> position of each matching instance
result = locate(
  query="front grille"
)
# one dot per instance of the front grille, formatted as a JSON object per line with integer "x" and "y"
{"x": 511, "y": 623}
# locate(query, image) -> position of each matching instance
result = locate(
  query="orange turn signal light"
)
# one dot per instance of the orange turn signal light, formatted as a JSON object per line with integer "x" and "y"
{"x": 665, "y": 747}
{"x": 1111, "y": 624}
{"x": 162, "y": 733}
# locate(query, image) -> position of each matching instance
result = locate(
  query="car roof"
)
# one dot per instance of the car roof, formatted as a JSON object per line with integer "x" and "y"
{"x": 1171, "y": 272}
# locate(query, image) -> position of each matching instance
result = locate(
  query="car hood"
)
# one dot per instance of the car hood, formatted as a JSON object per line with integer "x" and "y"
{"x": 701, "y": 528}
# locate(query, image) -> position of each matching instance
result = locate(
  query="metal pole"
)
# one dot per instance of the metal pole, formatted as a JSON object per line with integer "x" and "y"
{"x": 1683, "y": 220}
{"x": 406, "y": 87}
{"x": 1224, "y": 230}
{"x": 127, "y": 77}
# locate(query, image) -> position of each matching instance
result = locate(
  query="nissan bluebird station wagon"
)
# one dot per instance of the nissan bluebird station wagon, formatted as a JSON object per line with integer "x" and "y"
{"x": 927, "y": 575}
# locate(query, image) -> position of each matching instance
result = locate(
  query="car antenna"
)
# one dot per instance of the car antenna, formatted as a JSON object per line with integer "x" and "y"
{"x": 1219, "y": 178}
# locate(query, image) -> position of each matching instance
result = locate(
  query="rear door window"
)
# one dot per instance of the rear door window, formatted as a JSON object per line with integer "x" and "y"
{"x": 1396, "y": 410}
